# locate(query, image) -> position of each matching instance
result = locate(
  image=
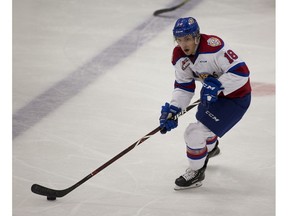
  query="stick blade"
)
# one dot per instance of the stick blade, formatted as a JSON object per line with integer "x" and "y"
{"x": 44, "y": 191}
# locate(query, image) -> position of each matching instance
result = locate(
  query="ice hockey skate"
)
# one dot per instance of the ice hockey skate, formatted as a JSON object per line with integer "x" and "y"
{"x": 215, "y": 151}
{"x": 190, "y": 179}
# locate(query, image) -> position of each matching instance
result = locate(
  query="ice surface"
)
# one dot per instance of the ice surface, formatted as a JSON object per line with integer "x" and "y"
{"x": 79, "y": 99}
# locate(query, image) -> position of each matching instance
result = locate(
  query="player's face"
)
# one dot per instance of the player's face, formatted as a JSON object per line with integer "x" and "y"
{"x": 187, "y": 44}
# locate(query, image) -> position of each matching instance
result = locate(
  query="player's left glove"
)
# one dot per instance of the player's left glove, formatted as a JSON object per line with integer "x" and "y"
{"x": 167, "y": 120}
{"x": 209, "y": 91}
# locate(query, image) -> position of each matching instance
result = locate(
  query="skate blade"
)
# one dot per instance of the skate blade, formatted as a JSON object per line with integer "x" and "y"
{"x": 196, "y": 185}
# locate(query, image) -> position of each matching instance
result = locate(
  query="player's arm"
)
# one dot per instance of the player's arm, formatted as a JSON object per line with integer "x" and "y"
{"x": 184, "y": 88}
{"x": 184, "y": 85}
{"x": 183, "y": 92}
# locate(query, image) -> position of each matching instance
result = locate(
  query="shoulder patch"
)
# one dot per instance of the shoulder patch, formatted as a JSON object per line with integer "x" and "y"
{"x": 213, "y": 41}
{"x": 210, "y": 44}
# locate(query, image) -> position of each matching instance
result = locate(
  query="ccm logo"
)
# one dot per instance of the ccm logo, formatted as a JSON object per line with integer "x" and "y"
{"x": 212, "y": 116}
{"x": 208, "y": 86}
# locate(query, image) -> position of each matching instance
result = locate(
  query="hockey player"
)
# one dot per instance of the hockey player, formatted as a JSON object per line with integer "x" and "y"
{"x": 225, "y": 95}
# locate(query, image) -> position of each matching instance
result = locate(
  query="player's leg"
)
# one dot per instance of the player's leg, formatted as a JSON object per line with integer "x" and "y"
{"x": 220, "y": 117}
{"x": 195, "y": 137}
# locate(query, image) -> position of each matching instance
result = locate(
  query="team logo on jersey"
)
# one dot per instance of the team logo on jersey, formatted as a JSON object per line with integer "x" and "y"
{"x": 203, "y": 75}
{"x": 185, "y": 63}
{"x": 213, "y": 41}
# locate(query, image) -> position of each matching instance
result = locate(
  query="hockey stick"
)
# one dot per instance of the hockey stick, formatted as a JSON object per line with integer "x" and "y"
{"x": 52, "y": 193}
{"x": 158, "y": 12}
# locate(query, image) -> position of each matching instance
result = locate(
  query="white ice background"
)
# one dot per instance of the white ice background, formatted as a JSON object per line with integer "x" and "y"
{"x": 111, "y": 110}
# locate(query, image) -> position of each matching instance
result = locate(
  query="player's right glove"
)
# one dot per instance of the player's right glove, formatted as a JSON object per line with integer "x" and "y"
{"x": 167, "y": 120}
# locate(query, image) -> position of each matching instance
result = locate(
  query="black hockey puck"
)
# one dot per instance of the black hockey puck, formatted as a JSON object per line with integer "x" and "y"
{"x": 50, "y": 198}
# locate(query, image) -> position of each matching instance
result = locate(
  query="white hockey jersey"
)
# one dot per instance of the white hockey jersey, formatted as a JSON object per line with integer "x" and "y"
{"x": 212, "y": 58}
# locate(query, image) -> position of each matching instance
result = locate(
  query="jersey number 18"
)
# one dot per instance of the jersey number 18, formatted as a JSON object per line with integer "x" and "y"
{"x": 230, "y": 55}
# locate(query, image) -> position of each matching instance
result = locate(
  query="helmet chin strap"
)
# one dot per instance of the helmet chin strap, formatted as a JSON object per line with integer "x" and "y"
{"x": 197, "y": 42}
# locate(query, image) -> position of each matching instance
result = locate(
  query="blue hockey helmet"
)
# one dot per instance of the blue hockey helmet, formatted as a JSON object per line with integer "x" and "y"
{"x": 186, "y": 26}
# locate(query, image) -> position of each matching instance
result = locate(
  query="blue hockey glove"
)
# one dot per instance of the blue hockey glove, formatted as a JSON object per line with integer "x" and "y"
{"x": 209, "y": 91}
{"x": 167, "y": 121}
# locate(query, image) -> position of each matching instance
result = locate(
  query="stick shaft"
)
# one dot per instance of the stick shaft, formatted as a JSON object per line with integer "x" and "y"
{"x": 41, "y": 190}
